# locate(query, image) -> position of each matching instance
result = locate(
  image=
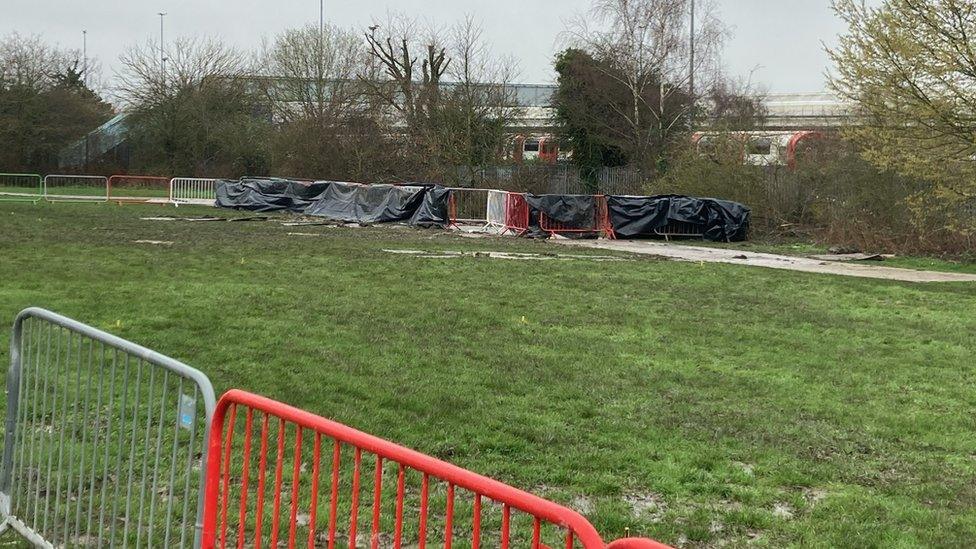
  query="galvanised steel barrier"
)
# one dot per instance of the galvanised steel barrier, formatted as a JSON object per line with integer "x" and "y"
{"x": 193, "y": 190}
{"x": 145, "y": 189}
{"x": 105, "y": 440}
{"x": 279, "y": 476}
{"x": 468, "y": 206}
{"x": 680, "y": 229}
{"x": 75, "y": 188}
{"x": 497, "y": 201}
{"x": 20, "y": 187}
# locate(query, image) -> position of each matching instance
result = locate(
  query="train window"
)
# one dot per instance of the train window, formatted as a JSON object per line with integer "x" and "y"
{"x": 531, "y": 145}
{"x": 706, "y": 145}
{"x": 760, "y": 146}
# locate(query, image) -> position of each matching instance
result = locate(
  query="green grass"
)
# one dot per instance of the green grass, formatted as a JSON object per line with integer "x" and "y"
{"x": 93, "y": 190}
{"x": 697, "y": 404}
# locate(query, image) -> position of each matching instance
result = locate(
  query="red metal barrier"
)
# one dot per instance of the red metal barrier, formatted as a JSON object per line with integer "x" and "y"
{"x": 600, "y": 224}
{"x": 139, "y": 189}
{"x": 451, "y": 502}
{"x": 516, "y": 214}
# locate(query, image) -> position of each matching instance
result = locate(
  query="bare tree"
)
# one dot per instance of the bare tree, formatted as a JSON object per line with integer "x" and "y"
{"x": 393, "y": 46}
{"x": 444, "y": 92}
{"x": 190, "y": 63}
{"x": 27, "y": 61}
{"x": 645, "y": 46}
{"x": 200, "y": 114}
{"x": 735, "y": 106}
{"x": 310, "y": 74}
{"x": 479, "y": 103}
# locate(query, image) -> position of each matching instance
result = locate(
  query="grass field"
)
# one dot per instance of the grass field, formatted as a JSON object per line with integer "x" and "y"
{"x": 702, "y": 405}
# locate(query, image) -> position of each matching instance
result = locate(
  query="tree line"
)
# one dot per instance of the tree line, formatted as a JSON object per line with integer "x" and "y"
{"x": 404, "y": 101}
{"x": 398, "y": 100}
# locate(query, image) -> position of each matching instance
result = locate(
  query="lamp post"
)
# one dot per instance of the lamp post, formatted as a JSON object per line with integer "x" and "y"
{"x": 162, "y": 50}
{"x": 84, "y": 57}
{"x": 84, "y": 81}
{"x": 320, "y": 74}
{"x": 691, "y": 66}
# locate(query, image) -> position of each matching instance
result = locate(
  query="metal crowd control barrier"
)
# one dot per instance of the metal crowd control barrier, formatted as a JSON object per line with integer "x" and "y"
{"x": 516, "y": 214}
{"x": 193, "y": 190}
{"x": 468, "y": 206}
{"x": 75, "y": 188}
{"x": 21, "y": 187}
{"x": 279, "y": 476}
{"x": 680, "y": 229}
{"x": 105, "y": 440}
{"x": 600, "y": 221}
{"x": 497, "y": 201}
{"x": 145, "y": 189}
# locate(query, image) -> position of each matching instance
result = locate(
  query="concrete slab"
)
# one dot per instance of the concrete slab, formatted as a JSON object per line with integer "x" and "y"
{"x": 772, "y": 261}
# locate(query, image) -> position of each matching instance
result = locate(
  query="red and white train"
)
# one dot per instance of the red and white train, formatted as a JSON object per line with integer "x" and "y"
{"x": 531, "y": 148}
{"x": 760, "y": 148}
{"x": 765, "y": 148}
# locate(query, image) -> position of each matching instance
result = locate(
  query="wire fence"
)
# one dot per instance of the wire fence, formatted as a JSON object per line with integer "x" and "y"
{"x": 556, "y": 179}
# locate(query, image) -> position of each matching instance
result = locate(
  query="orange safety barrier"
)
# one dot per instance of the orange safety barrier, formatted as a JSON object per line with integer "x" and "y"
{"x": 600, "y": 223}
{"x": 139, "y": 189}
{"x": 450, "y": 503}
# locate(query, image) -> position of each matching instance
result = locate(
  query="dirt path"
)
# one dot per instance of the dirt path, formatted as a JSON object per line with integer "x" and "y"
{"x": 772, "y": 261}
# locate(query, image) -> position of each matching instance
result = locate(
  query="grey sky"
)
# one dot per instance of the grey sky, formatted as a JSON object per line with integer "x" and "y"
{"x": 780, "y": 38}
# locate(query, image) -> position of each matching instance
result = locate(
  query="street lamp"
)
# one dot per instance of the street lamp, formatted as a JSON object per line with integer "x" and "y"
{"x": 84, "y": 57}
{"x": 691, "y": 66}
{"x": 162, "y": 49}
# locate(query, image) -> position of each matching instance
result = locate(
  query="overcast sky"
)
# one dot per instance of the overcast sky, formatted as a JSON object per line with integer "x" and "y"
{"x": 778, "y": 42}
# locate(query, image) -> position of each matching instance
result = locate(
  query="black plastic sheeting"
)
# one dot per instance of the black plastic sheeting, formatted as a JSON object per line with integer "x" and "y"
{"x": 416, "y": 204}
{"x": 268, "y": 195}
{"x": 717, "y": 220}
{"x": 427, "y": 206}
{"x": 433, "y": 211}
{"x": 575, "y": 211}
{"x": 572, "y": 210}
{"x": 353, "y": 203}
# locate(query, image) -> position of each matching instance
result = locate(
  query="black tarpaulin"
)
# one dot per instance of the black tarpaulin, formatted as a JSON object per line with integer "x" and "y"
{"x": 717, "y": 220}
{"x": 574, "y": 213}
{"x": 433, "y": 210}
{"x": 577, "y": 211}
{"x": 268, "y": 195}
{"x": 353, "y": 203}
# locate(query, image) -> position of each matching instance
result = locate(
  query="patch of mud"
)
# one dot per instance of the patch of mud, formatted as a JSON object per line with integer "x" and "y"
{"x": 783, "y": 511}
{"x": 813, "y": 496}
{"x": 646, "y": 505}
{"x": 506, "y": 255}
{"x": 582, "y": 505}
